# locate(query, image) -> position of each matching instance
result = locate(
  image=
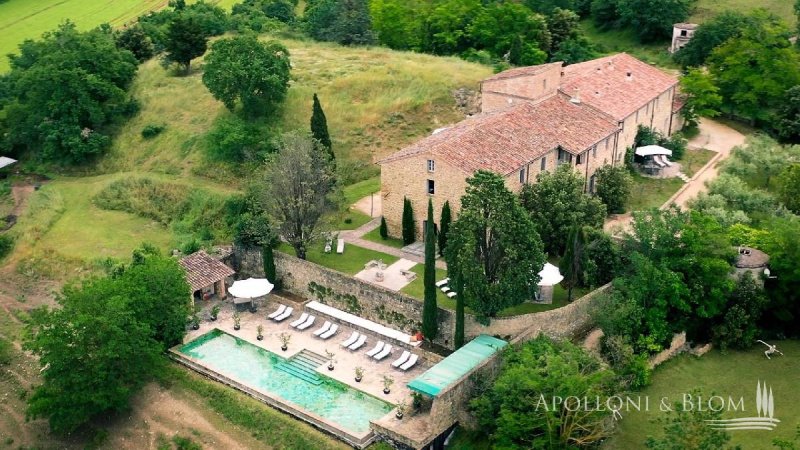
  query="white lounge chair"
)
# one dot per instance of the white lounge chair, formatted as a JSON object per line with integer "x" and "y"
{"x": 277, "y": 312}
{"x": 441, "y": 283}
{"x": 665, "y": 160}
{"x": 359, "y": 343}
{"x": 307, "y": 323}
{"x": 297, "y": 322}
{"x": 658, "y": 159}
{"x": 325, "y": 327}
{"x": 384, "y": 353}
{"x": 378, "y": 347}
{"x": 445, "y": 289}
{"x": 353, "y": 337}
{"x": 402, "y": 359}
{"x": 451, "y": 294}
{"x": 284, "y": 316}
{"x": 340, "y": 246}
{"x": 331, "y": 331}
{"x": 410, "y": 363}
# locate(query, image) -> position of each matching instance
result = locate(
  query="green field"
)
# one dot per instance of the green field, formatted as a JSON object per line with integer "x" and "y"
{"x": 733, "y": 374}
{"x": 706, "y": 9}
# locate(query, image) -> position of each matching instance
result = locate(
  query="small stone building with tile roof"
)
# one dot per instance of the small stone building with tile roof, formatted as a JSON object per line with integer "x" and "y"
{"x": 205, "y": 274}
{"x": 532, "y": 119}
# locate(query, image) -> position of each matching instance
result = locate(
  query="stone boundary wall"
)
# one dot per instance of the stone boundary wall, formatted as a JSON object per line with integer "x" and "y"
{"x": 676, "y": 347}
{"x": 403, "y": 312}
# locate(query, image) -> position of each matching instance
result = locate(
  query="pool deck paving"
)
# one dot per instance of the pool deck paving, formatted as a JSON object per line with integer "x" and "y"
{"x": 346, "y": 360}
{"x": 393, "y": 277}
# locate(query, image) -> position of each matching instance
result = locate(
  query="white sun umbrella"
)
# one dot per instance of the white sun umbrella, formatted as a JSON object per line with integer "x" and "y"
{"x": 251, "y": 288}
{"x": 550, "y": 275}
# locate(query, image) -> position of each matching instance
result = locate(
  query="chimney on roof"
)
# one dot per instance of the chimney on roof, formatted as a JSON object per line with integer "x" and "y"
{"x": 629, "y": 76}
{"x": 576, "y": 98}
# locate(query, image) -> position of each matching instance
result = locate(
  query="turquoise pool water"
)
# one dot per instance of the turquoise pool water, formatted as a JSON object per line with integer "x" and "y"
{"x": 253, "y": 366}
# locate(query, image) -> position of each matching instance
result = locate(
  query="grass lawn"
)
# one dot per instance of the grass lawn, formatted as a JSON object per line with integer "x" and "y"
{"x": 693, "y": 160}
{"x": 559, "y": 300}
{"x": 706, "y": 9}
{"x": 624, "y": 40}
{"x": 416, "y": 288}
{"x": 647, "y": 193}
{"x": 350, "y": 262}
{"x": 733, "y": 374}
{"x": 357, "y": 191}
{"x": 375, "y": 236}
{"x": 349, "y": 220}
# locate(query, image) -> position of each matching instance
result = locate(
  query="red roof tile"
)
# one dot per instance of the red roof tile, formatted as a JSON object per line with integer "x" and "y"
{"x": 202, "y": 270}
{"x": 522, "y": 71}
{"x": 604, "y": 84}
{"x": 505, "y": 141}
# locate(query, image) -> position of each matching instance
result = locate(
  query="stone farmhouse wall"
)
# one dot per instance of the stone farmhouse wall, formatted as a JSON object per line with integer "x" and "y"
{"x": 402, "y": 312}
{"x": 656, "y": 114}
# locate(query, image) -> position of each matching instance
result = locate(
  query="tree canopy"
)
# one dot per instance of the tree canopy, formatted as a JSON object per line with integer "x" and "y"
{"x": 613, "y": 186}
{"x": 104, "y": 341}
{"x": 246, "y": 70}
{"x": 556, "y": 202}
{"x": 710, "y": 35}
{"x": 347, "y": 22}
{"x": 185, "y": 40}
{"x": 64, "y": 93}
{"x": 652, "y": 20}
{"x": 493, "y": 250}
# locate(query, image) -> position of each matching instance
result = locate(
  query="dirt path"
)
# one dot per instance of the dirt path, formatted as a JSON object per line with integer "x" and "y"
{"x": 371, "y": 205}
{"x": 21, "y": 194}
{"x": 713, "y": 136}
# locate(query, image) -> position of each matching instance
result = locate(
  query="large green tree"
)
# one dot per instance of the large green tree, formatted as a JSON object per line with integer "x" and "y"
{"x": 493, "y": 250}
{"x": 64, "y": 94}
{"x": 397, "y": 23}
{"x": 760, "y": 160}
{"x": 613, "y": 186}
{"x": 430, "y": 312}
{"x": 789, "y": 187}
{"x": 784, "y": 290}
{"x": 444, "y": 226}
{"x": 702, "y": 96}
{"x": 687, "y": 429}
{"x": 297, "y": 190}
{"x": 247, "y": 70}
{"x": 556, "y": 202}
{"x": 185, "y": 39}
{"x": 498, "y": 24}
{"x": 344, "y": 21}
{"x": 319, "y": 127}
{"x": 754, "y": 71}
{"x": 103, "y": 342}
{"x": 135, "y": 40}
{"x": 788, "y": 124}
{"x": 711, "y": 34}
{"x": 571, "y": 264}
{"x": 652, "y": 20}
{"x": 518, "y": 410}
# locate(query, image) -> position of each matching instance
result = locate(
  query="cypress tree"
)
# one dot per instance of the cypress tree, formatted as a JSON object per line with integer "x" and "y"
{"x": 444, "y": 227}
{"x": 430, "y": 327}
{"x": 319, "y": 127}
{"x": 408, "y": 222}
{"x": 570, "y": 265}
{"x": 268, "y": 258}
{"x": 384, "y": 230}
{"x": 458, "y": 339}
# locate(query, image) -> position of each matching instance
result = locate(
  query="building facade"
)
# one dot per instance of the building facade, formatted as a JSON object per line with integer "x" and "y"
{"x": 682, "y": 33}
{"x": 532, "y": 120}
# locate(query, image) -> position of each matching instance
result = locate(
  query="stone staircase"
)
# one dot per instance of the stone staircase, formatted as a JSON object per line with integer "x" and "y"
{"x": 416, "y": 249}
{"x": 303, "y": 365}
{"x": 683, "y": 177}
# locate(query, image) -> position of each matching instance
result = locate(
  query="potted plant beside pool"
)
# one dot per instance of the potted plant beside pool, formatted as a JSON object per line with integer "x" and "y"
{"x": 237, "y": 321}
{"x": 285, "y": 338}
{"x": 359, "y": 374}
{"x": 195, "y": 321}
{"x": 401, "y": 409}
{"x": 214, "y": 312}
{"x": 387, "y": 384}
{"x": 260, "y": 330}
{"x": 331, "y": 361}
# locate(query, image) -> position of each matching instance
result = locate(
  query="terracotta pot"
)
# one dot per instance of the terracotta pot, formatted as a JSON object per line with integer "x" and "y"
{"x": 284, "y": 348}
{"x": 386, "y": 391}
{"x": 236, "y": 327}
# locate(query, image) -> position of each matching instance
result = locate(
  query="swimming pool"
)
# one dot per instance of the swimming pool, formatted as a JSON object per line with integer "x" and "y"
{"x": 253, "y": 366}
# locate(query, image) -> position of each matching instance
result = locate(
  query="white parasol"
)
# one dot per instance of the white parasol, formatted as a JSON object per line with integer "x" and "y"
{"x": 251, "y": 288}
{"x": 550, "y": 275}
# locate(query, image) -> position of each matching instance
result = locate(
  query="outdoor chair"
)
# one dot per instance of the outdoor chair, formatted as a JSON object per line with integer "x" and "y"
{"x": 325, "y": 327}
{"x": 297, "y": 322}
{"x": 402, "y": 359}
{"x": 307, "y": 323}
{"x": 387, "y": 350}
{"x": 445, "y": 289}
{"x": 410, "y": 363}
{"x": 353, "y": 337}
{"x": 665, "y": 160}
{"x": 441, "y": 283}
{"x": 451, "y": 294}
{"x": 277, "y": 312}
{"x": 284, "y": 316}
{"x": 359, "y": 343}
{"x": 378, "y": 347}
{"x": 331, "y": 331}
{"x": 340, "y": 246}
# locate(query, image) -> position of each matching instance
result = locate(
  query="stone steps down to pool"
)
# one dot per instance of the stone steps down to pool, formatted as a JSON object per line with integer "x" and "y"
{"x": 303, "y": 366}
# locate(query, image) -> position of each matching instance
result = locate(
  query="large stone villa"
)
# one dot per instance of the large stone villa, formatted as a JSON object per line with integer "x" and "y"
{"x": 533, "y": 119}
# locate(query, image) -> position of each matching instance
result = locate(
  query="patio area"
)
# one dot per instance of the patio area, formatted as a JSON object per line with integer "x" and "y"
{"x": 395, "y": 276}
{"x": 346, "y": 360}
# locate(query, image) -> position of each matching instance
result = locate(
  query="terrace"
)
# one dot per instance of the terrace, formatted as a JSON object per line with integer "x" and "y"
{"x": 224, "y": 363}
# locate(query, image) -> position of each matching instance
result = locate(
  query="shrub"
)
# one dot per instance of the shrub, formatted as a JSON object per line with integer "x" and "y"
{"x": 613, "y": 186}
{"x": 738, "y": 328}
{"x": 233, "y": 140}
{"x": 152, "y": 130}
{"x": 384, "y": 230}
{"x": 6, "y": 245}
{"x": 409, "y": 232}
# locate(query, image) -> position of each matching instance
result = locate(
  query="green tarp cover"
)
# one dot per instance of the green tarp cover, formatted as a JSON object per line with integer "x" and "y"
{"x": 455, "y": 366}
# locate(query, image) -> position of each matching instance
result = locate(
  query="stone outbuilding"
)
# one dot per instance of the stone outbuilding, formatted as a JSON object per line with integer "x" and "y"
{"x": 751, "y": 260}
{"x": 682, "y": 33}
{"x": 206, "y": 275}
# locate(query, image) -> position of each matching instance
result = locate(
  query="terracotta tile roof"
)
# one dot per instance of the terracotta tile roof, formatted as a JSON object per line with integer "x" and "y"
{"x": 604, "y": 83}
{"x": 202, "y": 270}
{"x": 522, "y": 71}
{"x": 506, "y": 140}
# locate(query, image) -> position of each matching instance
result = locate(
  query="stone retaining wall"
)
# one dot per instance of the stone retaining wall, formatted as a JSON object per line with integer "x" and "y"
{"x": 402, "y": 312}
